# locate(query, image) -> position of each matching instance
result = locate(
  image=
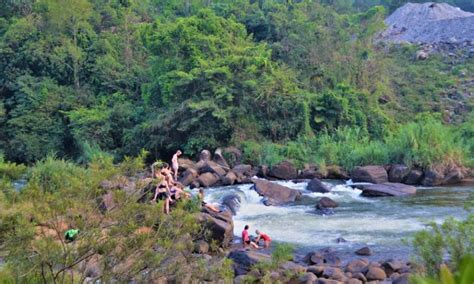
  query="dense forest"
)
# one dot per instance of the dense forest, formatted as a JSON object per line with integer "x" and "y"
{"x": 80, "y": 77}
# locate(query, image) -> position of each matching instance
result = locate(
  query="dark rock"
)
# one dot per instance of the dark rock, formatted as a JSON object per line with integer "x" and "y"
{"x": 432, "y": 178}
{"x": 283, "y": 170}
{"x": 219, "y": 159}
{"x": 232, "y": 202}
{"x": 233, "y": 155}
{"x": 402, "y": 279}
{"x": 375, "y": 273}
{"x": 244, "y": 260}
{"x": 327, "y": 281}
{"x": 360, "y": 276}
{"x": 311, "y": 171}
{"x": 353, "y": 281}
{"x": 453, "y": 176}
{"x": 205, "y": 155}
{"x": 387, "y": 189}
{"x": 220, "y": 225}
{"x": 188, "y": 176}
{"x": 207, "y": 179}
{"x": 333, "y": 273}
{"x": 316, "y": 269}
{"x": 229, "y": 178}
{"x": 243, "y": 169}
{"x": 336, "y": 172}
{"x": 263, "y": 171}
{"x": 194, "y": 184}
{"x": 341, "y": 240}
{"x": 201, "y": 247}
{"x": 212, "y": 167}
{"x": 398, "y": 173}
{"x": 315, "y": 185}
{"x": 278, "y": 194}
{"x": 365, "y": 251}
{"x": 185, "y": 164}
{"x": 356, "y": 266}
{"x": 325, "y": 256}
{"x": 293, "y": 267}
{"x": 414, "y": 177}
{"x": 372, "y": 174}
{"x": 392, "y": 266}
{"x": 307, "y": 278}
{"x": 326, "y": 202}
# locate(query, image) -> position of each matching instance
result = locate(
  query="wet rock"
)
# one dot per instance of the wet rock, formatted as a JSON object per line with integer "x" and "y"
{"x": 278, "y": 194}
{"x": 315, "y": 185}
{"x": 307, "y": 278}
{"x": 375, "y": 273}
{"x": 284, "y": 170}
{"x": 398, "y": 173}
{"x": 205, "y": 155}
{"x": 229, "y": 178}
{"x": 365, "y": 251}
{"x": 325, "y": 256}
{"x": 219, "y": 159}
{"x": 414, "y": 177}
{"x": 194, "y": 184}
{"x": 341, "y": 240}
{"x": 232, "y": 202}
{"x": 356, "y": 266}
{"x": 387, "y": 189}
{"x": 333, "y": 273}
{"x": 326, "y": 202}
{"x": 244, "y": 260}
{"x": 372, "y": 174}
{"x": 207, "y": 179}
{"x": 220, "y": 225}
{"x": 432, "y": 177}
{"x": 336, "y": 172}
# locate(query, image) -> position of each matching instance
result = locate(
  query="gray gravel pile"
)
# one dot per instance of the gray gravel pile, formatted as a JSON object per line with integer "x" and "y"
{"x": 429, "y": 23}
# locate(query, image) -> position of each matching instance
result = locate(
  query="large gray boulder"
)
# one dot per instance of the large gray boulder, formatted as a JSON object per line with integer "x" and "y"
{"x": 205, "y": 155}
{"x": 315, "y": 185}
{"x": 185, "y": 164}
{"x": 414, "y": 177}
{"x": 283, "y": 170}
{"x": 212, "y": 167}
{"x": 387, "y": 189}
{"x": 326, "y": 202}
{"x": 325, "y": 256}
{"x": 188, "y": 176}
{"x": 277, "y": 194}
{"x": 229, "y": 178}
{"x": 336, "y": 172}
{"x": 398, "y": 173}
{"x": 432, "y": 177}
{"x": 219, "y": 225}
{"x": 372, "y": 174}
{"x": 243, "y": 260}
{"x": 207, "y": 179}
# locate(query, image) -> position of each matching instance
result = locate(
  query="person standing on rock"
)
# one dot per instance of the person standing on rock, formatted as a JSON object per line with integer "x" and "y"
{"x": 262, "y": 236}
{"x": 246, "y": 239}
{"x": 175, "y": 164}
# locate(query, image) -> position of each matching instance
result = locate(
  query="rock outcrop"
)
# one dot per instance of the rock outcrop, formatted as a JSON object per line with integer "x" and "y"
{"x": 372, "y": 174}
{"x": 220, "y": 226}
{"x": 315, "y": 185}
{"x": 283, "y": 170}
{"x": 387, "y": 189}
{"x": 274, "y": 193}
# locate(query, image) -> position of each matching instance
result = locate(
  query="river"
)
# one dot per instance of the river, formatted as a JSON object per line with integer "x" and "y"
{"x": 386, "y": 224}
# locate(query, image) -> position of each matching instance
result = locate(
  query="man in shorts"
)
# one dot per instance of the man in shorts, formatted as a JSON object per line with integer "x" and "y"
{"x": 175, "y": 164}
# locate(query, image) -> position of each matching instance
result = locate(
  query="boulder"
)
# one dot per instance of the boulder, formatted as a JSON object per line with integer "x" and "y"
{"x": 375, "y": 273}
{"x": 185, "y": 164}
{"x": 341, "y": 240}
{"x": 365, "y": 251}
{"x": 360, "y": 276}
{"x": 432, "y": 177}
{"x": 387, "y": 189}
{"x": 219, "y": 159}
{"x": 284, "y": 170}
{"x": 310, "y": 172}
{"x": 205, "y": 155}
{"x": 307, "y": 278}
{"x": 336, "y": 172}
{"x": 207, "y": 179}
{"x": 229, "y": 178}
{"x": 233, "y": 155}
{"x": 372, "y": 174}
{"x": 316, "y": 269}
{"x": 315, "y": 185}
{"x": 453, "y": 176}
{"x": 278, "y": 194}
{"x": 325, "y": 256}
{"x": 232, "y": 202}
{"x": 201, "y": 247}
{"x": 353, "y": 281}
{"x": 333, "y": 273}
{"x": 263, "y": 171}
{"x": 293, "y": 267}
{"x": 327, "y": 281}
{"x": 398, "y": 173}
{"x": 356, "y": 266}
{"x": 188, "y": 176}
{"x": 326, "y": 202}
{"x": 245, "y": 259}
{"x": 220, "y": 225}
{"x": 402, "y": 279}
{"x": 414, "y": 177}
{"x": 392, "y": 266}
{"x": 212, "y": 167}
{"x": 243, "y": 169}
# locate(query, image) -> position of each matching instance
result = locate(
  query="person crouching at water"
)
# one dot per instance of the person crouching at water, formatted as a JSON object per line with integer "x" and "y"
{"x": 262, "y": 236}
{"x": 205, "y": 204}
{"x": 175, "y": 164}
{"x": 246, "y": 239}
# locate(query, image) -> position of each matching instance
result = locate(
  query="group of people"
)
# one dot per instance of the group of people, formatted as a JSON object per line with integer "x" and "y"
{"x": 261, "y": 236}
{"x": 170, "y": 190}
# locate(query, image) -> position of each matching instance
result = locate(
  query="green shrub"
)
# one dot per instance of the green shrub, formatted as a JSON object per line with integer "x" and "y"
{"x": 9, "y": 170}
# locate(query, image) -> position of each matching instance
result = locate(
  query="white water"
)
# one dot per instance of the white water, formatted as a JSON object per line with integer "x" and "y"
{"x": 381, "y": 223}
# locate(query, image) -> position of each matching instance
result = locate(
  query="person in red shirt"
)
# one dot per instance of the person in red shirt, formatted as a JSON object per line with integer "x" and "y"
{"x": 246, "y": 239}
{"x": 262, "y": 236}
